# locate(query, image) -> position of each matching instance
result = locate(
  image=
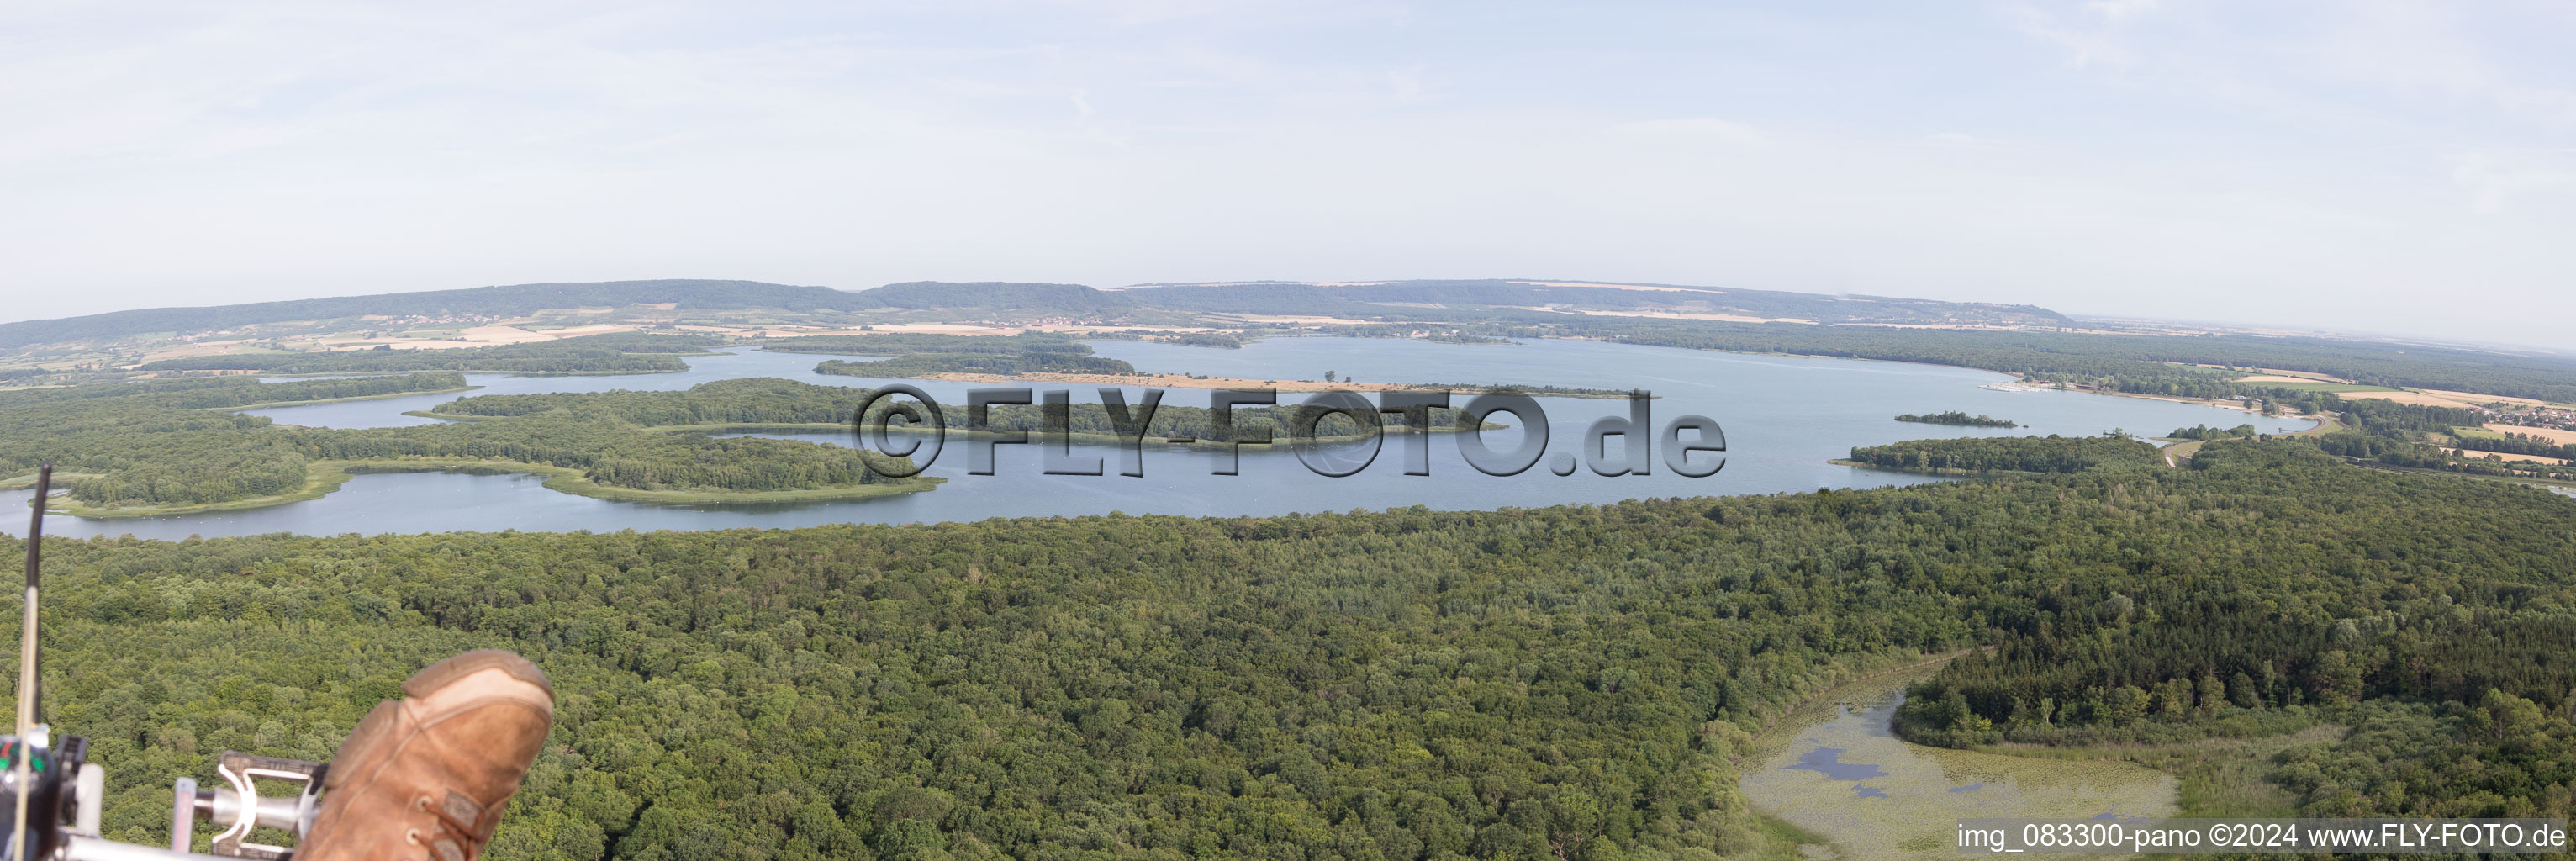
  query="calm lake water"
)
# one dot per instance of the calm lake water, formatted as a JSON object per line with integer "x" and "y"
{"x": 1783, "y": 417}
{"x": 1833, "y": 768}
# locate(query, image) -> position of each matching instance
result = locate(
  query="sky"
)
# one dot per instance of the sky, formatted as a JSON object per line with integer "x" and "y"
{"x": 2359, "y": 165}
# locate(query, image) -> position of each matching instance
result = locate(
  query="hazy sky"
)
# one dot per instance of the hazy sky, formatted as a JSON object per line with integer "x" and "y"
{"x": 2352, "y": 164}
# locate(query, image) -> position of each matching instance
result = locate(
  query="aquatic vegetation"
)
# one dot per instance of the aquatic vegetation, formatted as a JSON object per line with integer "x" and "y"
{"x": 1833, "y": 768}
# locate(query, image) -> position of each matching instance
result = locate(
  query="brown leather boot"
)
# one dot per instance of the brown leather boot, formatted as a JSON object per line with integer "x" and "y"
{"x": 426, "y": 777}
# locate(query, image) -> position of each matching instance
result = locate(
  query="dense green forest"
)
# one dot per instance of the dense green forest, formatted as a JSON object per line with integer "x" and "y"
{"x": 2050, "y": 453}
{"x": 2439, "y": 628}
{"x": 625, "y": 353}
{"x": 509, "y": 301}
{"x": 1571, "y": 682}
{"x": 1955, "y": 417}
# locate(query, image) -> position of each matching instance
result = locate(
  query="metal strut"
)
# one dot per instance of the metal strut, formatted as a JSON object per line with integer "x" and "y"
{"x": 28, "y": 730}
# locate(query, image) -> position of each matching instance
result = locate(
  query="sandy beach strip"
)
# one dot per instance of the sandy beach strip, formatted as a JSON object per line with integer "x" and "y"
{"x": 1181, "y": 381}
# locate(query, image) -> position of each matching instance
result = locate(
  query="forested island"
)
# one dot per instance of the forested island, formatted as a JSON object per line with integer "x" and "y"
{"x": 1955, "y": 417}
{"x": 788, "y": 405}
{"x": 2205, "y": 432}
{"x": 149, "y": 448}
{"x": 1526, "y": 681}
{"x": 2031, "y": 454}
{"x": 929, "y": 354}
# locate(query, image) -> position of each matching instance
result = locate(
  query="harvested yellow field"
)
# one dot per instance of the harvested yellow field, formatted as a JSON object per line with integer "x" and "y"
{"x": 2475, "y": 398}
{"x": 2561, "y": 437}
{"x": 504, "y": 335}
{"x": 2422, "y": 399}
{"x": 577, "y": 331}
{"x": 2532, "y": 458}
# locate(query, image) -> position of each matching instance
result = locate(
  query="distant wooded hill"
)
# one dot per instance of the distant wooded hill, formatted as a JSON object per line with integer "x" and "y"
{"x": 1378, "y": 299}
{"x": 1393, "y": 300}
{"x": 999, "y": 295}
{"x": 512, "y": 300}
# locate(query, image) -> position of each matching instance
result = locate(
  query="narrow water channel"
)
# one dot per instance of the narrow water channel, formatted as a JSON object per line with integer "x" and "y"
{"x": 1833, "y": 768}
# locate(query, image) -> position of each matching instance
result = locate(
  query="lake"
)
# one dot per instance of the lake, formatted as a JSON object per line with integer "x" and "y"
{"x": 1834, "y": 768}
{"x": 1784, "y": 417}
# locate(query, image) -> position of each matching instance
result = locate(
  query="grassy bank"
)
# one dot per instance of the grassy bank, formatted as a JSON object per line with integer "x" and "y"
{"x": 2218, "y": 777}
{"x": 271, "y": 404}
{"x": 29, "y": 480}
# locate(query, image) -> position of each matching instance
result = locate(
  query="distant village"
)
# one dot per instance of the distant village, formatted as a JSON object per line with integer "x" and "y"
{"x": 2541, "y": 417}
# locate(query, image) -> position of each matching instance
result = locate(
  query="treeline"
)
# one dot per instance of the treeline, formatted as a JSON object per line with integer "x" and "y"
{"x": 2514, "y": 443}
{"x": 1955, "y": 417}
{"x": 1004, "y": 364}
{"x": 216, "y": 397}
{"x": 1556, "y": 683}
{"x": 916, "y": 354}
{"x": 628, "y": 353}
{"x": 2050, "y": 453}
{"x": 902, "y": 343}
{"x": 998, "y": 295}
{"x": 1469, "y": 389}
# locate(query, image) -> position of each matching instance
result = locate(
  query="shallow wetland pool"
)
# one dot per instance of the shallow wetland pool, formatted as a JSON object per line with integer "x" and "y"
{"x": 1833, "y": 768}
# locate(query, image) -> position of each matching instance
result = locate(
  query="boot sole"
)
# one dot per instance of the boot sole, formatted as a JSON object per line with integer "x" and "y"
{"x": 441, "y": 674}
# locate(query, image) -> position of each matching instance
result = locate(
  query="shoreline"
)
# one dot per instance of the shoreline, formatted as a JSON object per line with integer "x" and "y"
{"x": 1185, "y": 381}
{"x": 277, "y": 404}
{"x": 323, "y": 477}
{"x": 1035, "y": 435}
